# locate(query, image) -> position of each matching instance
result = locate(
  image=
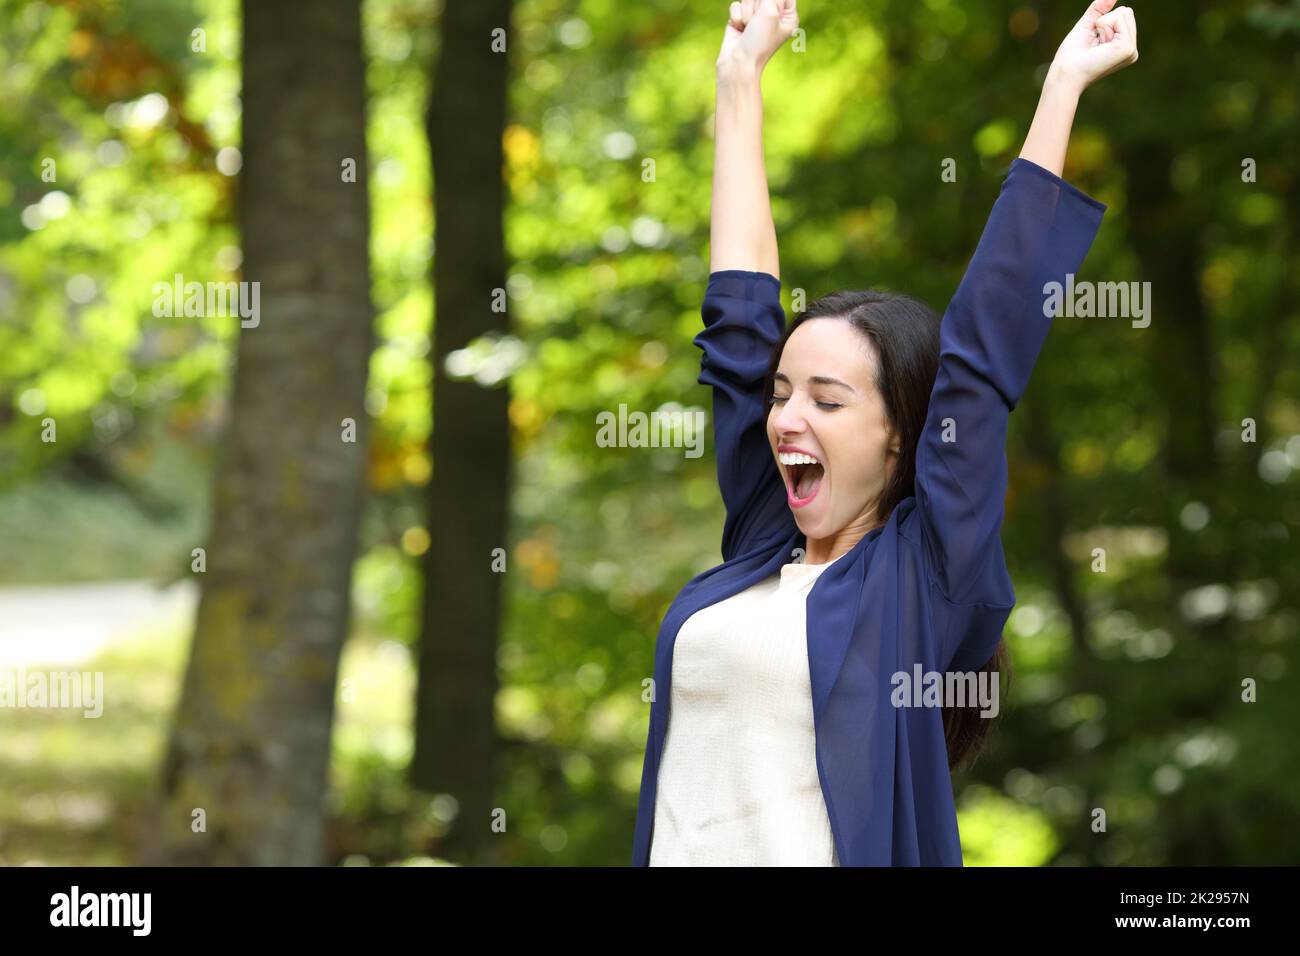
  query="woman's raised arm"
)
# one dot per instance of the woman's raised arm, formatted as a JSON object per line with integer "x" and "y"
{"x": 742, "y": 311}
{"x": 741, "y": 233}
{"x": 1103, "y": 41}
{"x": 1039, "y": 231}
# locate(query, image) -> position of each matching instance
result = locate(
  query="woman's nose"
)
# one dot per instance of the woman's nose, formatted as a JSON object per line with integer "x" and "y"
{"x": 789, "y": 417}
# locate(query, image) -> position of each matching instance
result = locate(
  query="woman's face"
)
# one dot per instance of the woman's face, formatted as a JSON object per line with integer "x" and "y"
{"x": 825, "y": 404}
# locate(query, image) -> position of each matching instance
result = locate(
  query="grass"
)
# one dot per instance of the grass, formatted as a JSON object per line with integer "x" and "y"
{"x": 76, "y": 788}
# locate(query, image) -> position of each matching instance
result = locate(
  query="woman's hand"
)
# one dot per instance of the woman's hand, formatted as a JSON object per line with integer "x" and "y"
{"x": 1103, "y": 41}
{"x": 756, "y": 30}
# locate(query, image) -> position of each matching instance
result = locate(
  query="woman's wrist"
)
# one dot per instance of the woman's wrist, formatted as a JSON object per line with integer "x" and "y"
{"x": 1061, "y": 83}
{"x": 738, "y": 71}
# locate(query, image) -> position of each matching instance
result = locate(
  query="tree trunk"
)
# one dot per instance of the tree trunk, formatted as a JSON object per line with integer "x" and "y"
{"x": 251, "y": 742}
{"x": 468, "y": 496}
{"x": 1166, "y": 237}
{"x": 1167, "y": 244}
{"x": 1043, "y": 445}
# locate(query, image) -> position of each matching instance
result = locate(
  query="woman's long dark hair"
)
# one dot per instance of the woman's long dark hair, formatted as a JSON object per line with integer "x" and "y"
{"x": 904, "y": 332}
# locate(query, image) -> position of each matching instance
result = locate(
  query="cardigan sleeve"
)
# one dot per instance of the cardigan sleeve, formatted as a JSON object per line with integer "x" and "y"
{"x": 1040, "y": 230}
{"x": 743, "y": 320}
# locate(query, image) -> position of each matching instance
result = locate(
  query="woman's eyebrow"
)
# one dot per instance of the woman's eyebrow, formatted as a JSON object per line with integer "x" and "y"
{"x": 818, "y": 380}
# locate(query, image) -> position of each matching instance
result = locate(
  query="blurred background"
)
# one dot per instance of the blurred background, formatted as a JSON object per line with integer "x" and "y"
{"x": 420, "y": 638}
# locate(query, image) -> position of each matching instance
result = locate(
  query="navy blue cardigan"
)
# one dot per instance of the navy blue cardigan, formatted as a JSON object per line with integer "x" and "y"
{"x": 931, "y": 586}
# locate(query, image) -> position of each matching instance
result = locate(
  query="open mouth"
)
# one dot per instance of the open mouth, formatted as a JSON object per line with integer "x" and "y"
{"x": 803, "y": 475}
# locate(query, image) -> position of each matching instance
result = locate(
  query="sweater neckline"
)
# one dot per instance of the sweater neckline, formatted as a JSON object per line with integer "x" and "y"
{"x": 799, "y": 568}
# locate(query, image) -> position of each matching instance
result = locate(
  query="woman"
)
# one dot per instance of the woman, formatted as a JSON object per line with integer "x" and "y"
{"x": 862, "y": 464}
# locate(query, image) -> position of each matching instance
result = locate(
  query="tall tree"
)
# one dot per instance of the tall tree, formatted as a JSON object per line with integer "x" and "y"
{"x": 251, "y": 742}
{"x": 468, "y": 496}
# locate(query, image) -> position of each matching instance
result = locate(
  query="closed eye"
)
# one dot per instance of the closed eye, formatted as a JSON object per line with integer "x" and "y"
{"x": 829, "y": 406}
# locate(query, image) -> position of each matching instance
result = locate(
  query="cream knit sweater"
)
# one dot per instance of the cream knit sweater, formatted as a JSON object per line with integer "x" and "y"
{"x": 738, "y": 781}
